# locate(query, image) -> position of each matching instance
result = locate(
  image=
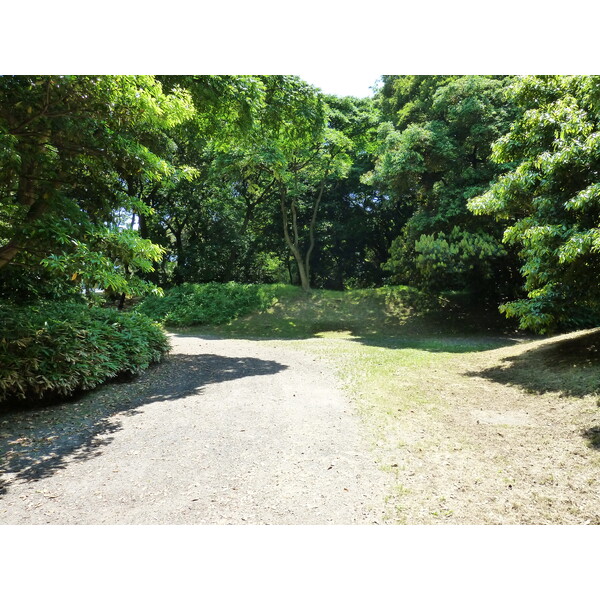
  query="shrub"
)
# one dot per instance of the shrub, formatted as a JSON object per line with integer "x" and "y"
{"x": 56, "y": 349}
{"x": 401, "y": 298}
{"x": 208, "y": 303}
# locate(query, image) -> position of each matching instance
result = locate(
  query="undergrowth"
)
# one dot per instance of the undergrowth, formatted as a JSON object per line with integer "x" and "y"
{"x": 208, "y": 303}
{"x": 55, "y": 349}
{"x": 290, "y": 313}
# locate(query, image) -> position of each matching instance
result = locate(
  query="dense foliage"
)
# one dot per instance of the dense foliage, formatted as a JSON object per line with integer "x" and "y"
{"x": 550, "y": 200}
{"x": 485, "y": 186}
{"x": 209, "y": 303}
{"x": 67, "y": 146}
{"x": 269, "y": 206}
{"x": 435, "y": 144}
{"x": 79, "y": 158}
{"x": 54, "y": 349}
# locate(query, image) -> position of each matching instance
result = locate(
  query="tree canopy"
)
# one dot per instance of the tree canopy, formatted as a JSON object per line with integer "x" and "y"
{"x": 68, "y": 145}
{"x": 484, "y": 185}
{"x": 434, "y": 151}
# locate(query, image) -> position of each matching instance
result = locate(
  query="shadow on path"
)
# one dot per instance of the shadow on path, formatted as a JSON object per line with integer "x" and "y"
{"x": 36, "y": 443}
{"x": 592, "y": 435}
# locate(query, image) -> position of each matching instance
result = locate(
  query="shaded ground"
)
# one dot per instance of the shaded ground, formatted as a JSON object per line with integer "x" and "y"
{"x": 489, "y": 435}
{"x": 225, "y": 431}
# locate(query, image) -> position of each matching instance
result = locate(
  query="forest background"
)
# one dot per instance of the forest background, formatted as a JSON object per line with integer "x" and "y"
{"x": 467, "y": 191}
{"x": 485, "y": 186}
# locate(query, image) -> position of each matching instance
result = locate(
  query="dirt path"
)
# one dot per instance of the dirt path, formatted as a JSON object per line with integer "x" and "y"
{"x": 223, "y": 432}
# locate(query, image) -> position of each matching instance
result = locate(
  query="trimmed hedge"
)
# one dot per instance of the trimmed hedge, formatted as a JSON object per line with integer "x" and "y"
{"x": 208, "y": 303}
{"x": 56, "y": 349}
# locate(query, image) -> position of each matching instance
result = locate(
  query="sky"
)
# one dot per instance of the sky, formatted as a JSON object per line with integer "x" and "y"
{"x": 342, "y": 83}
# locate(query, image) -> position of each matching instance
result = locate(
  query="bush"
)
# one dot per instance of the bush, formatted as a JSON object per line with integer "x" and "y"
{"x": 56, "y": 349}
{"x": 208, "y": 303}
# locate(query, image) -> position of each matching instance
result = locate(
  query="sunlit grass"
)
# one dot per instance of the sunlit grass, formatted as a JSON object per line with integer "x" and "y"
{"x": 393, "y": 357}
{"x": 418, "y": 377}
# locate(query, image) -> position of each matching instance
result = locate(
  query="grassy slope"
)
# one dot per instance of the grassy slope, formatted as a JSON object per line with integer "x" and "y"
{"x": 476, "y": 422}
{"x": 366, "y": 313}
{"x": 380, "y": 341}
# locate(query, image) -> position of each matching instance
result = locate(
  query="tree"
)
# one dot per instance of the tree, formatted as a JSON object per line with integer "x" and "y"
{"x": 68, "y": 146}
{"x": 549, "y": 201}
{"x": 279, "y": 171}
{"x": 434, "y": 156}
{"x": 350, "y": 229}
{"x": 301, "y": 187}
{"x": 286, "y": 158}
{"x": 299, "y": 153}
{"x": 215, "y": 224}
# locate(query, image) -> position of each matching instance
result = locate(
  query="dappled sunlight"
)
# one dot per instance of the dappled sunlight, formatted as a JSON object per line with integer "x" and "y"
{"x": 373, "y": 317}
{"x": 336, "y": 334}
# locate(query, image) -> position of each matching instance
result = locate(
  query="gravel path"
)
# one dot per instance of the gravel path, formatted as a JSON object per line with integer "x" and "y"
{"x": 223, "y": 432}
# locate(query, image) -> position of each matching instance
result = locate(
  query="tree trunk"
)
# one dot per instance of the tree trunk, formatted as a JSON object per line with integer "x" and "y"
{"x": 18, "y": 243}
{"x": 178, "y": 276}
{"x": 142, "y": 226}
{"x": 27, "y": 195}
{"x": 293, "y": 244}
{"x": 8, "y": 252}
{"x": 304, "y": 281}
{"x": 311, "y": 229}
{"x": 288, "y": 264}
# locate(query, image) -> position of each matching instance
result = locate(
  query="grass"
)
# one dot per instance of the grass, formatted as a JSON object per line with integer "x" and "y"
{"x": 382, "y": 312}
{"x": 568, "y": 364}
{"x": 382, "y": 340}
{"x": 298, "y": 315}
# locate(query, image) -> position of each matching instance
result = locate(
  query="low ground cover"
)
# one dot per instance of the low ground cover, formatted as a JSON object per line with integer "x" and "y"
{"x": 479, "y": 431}
{"x": 52, "y": 350}
{"x": 291, "y": 313}
{"x": 192, "y": 304}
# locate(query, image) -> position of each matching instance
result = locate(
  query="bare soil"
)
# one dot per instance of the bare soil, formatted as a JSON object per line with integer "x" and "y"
{"x": 222, "y": 432}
